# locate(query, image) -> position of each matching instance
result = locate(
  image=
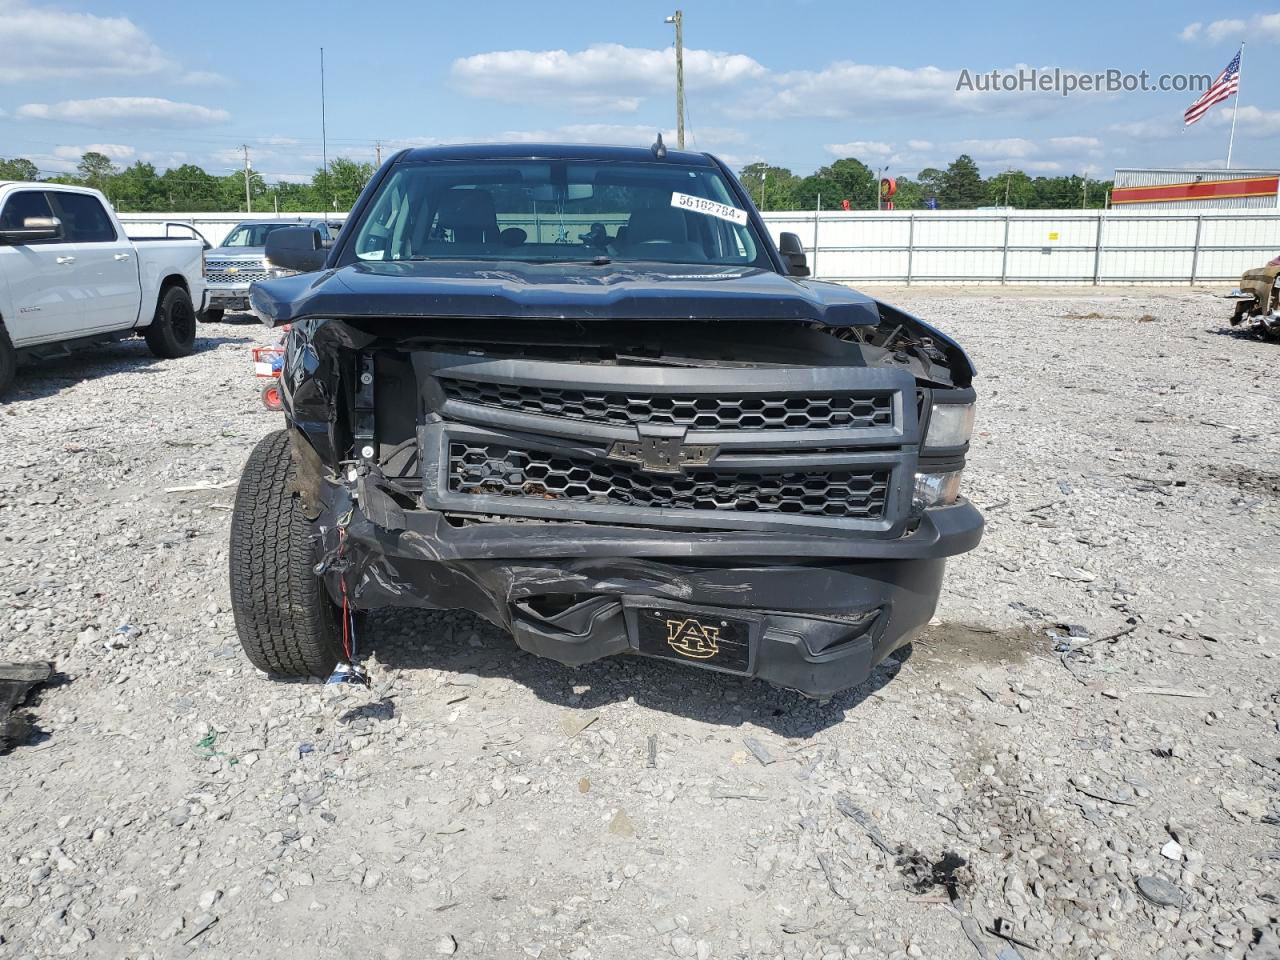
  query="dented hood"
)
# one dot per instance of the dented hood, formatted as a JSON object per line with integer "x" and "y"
{"x": 571, "y": 291}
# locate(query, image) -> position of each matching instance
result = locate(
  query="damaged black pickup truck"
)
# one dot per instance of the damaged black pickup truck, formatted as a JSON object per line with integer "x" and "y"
{"x": 579, "y": 391}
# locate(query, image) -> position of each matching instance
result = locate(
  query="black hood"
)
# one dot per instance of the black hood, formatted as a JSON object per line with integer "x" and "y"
{"x": 570, "y": 291}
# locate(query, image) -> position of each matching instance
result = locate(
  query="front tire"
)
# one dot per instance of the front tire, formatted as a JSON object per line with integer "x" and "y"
{"x": 173, "y": 329}
{"x": 286, "y": 622}
{"x": 212, "y": 315}
{"x": 8, "y": 362}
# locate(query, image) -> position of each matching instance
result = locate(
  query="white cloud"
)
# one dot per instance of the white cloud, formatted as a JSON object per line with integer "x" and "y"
{"x": 1161, "y": 128}
{"x": 1259, "y": 123}
{"x": 860, "y": 148}
{"x": 125, "y": 112}
{"x": 1263, "y": 25}
{"x": 920, "y": 145}
{"x": 845, "y": 88}
{"x": 1005, "y": 147}
{"x": 1076, "y": 144}
{"x": 116, "y": 151}
{"x": 1222, "y": 29}
{"x": 42, "y": 43}
{"x": 607, "y": 76}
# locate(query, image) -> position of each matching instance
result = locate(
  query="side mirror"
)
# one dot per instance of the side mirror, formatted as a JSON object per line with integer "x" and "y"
{"x": 32, "y": 229}
{"x": 792, "y": 251}
{"x": 296, "y": 248}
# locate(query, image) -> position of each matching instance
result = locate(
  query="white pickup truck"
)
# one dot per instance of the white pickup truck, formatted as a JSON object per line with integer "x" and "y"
{"x": 70, "y": 277}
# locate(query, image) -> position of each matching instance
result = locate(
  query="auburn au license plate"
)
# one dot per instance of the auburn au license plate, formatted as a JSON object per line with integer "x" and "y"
{"x": 701, "y": 638}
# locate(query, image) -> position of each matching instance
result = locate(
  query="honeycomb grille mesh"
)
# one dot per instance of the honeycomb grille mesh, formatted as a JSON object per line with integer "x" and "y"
{"x": 495, "y": 470}
{"x": 778, "y": 411}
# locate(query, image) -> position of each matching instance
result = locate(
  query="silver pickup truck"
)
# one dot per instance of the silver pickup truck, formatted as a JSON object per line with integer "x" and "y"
{"x": 241, "y": 259}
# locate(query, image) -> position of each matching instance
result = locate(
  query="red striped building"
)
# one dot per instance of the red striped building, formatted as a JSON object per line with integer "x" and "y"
{"x": 1173, "y": 189}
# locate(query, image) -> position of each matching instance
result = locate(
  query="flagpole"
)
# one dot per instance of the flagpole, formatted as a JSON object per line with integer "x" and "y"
{"x": 1236, "y": 109}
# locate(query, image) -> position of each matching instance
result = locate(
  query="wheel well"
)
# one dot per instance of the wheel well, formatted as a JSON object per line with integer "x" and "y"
{"x": 173, "y": 280}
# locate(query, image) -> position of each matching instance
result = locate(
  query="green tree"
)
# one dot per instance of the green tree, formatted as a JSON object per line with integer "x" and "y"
{"x": 19, "y": 168}
{"x": 137, "y": 188}
{"x": 96, "y": 170}
{"x": 189, "y": 187}
{"x": 340, "y": 185}
{"x": 962, "y": 186}
{"x": 1012, "y": 188}
{"x": 910, "y": 195}
{"x": 770, "y": 187}
{"x": 931, "y": 186}
{"x": 853, "y": 181}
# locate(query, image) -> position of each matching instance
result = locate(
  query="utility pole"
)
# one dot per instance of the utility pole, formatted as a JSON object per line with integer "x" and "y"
{"x": 324, "y": 135}
{"x": 248, "y": 197}
{"x": 378, "y": 147}
{"x": 678, "y": 20}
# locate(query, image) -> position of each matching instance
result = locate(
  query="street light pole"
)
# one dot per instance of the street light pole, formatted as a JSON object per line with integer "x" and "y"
{"x": 678, "y": 20}
{"x": 248, "y": 197}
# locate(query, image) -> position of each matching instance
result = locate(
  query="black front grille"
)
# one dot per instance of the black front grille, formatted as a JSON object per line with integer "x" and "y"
{"x": 772, "y": 411}
{"x": 498, "y": 470}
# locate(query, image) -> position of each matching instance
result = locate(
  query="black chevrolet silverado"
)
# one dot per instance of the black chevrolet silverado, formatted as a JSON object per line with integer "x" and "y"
{"x": 578, "y": 391}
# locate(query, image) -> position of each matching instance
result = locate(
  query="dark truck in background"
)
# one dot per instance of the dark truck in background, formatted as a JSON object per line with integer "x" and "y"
{"x": 578, "y": 391}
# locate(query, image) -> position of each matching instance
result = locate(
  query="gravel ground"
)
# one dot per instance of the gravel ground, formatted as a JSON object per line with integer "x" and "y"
{"x": 1081, "y": 751}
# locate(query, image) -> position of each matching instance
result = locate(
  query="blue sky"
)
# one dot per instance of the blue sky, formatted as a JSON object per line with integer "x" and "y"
{"x": 797, "y": 83}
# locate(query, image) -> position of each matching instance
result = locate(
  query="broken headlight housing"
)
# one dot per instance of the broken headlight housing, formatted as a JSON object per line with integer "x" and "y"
{"x": 950, "y": 425}
{"x": 936, "y": 489}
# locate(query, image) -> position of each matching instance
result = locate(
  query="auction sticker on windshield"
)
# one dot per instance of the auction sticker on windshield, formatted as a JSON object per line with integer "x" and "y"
{"x": 709, "y": 207}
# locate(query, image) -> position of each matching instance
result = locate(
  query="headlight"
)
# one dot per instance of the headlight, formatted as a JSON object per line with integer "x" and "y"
{"x": 275, "y": 273}
{"x": 936, "y": 489}
{"x": 950, "y": 425}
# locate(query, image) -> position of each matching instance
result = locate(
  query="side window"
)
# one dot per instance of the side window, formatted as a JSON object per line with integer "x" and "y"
{"x": 19, "y": 206}
{"x": 83, "y": 219}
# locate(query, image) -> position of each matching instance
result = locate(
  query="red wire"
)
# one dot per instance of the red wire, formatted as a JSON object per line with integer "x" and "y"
{"x": 346, "y": 608}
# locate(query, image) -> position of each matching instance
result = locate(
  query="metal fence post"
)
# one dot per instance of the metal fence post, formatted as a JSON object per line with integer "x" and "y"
{"x": 911, "y": 239}
{"x": 1097, "y": 251}
{"x": 817, "y": 215}
{"x": 1195, "y": 250}
{"x": 1004, "y": 251}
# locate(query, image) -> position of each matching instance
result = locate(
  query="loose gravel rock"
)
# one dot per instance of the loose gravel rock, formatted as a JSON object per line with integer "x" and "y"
{"x": 1100, "y": 685}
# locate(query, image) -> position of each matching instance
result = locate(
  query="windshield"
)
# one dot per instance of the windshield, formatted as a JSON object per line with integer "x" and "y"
{"x": 542, "y": 211}
{"x": 252, "y": 234}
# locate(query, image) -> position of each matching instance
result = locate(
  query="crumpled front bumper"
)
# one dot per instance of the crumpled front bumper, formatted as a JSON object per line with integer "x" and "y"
{"x": 826, "y": 608}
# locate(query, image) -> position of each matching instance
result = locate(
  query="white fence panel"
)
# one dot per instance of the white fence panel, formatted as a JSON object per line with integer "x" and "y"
{"x": 1033, "y": 246}
{"x": 954, "y": 246}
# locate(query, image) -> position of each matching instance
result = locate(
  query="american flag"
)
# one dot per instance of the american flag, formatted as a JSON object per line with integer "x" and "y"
{"x": 1228, "y": 82}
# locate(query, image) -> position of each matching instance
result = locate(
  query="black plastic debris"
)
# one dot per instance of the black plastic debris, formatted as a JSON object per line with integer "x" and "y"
{"x": 16, "y": 681}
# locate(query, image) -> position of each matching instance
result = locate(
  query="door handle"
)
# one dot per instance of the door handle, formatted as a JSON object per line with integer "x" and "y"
{"x": 120, "y": 256}
{"x": 64, "y": 259}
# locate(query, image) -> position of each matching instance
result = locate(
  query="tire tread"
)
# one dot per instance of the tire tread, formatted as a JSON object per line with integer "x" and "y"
{"x": 286, "y": 623}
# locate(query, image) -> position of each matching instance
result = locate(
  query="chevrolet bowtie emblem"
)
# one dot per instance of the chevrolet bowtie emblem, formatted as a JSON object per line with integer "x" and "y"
{"x": 692, "y": 638}
{"x": 663, "y": 454}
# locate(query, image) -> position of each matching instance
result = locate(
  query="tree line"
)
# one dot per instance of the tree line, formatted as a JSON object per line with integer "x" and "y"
{"x": 139, "y": 188}
{"x": 959, "y": 187}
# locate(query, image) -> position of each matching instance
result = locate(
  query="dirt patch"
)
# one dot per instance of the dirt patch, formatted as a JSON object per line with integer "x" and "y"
{"x": 963, "y": 645}
{"x": 1252, "y": 481}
